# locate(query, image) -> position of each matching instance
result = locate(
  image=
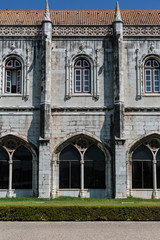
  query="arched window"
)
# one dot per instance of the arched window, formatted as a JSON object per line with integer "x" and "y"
{"x": 22, "y": 169}
{"x": 13, "y": 76}
{"x": 69, "y": 169}
{"x": 152, "y": 76}
{"x": 16, "y": 173}
{"x": 4, "y": 169}
{"x": 82, "y": 165}
{"x": 142, "y": 171}
{"x": 82, "y": 72}
{"x": 94, "y": 168}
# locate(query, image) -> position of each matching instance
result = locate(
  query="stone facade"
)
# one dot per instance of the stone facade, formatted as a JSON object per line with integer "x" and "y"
{"x": 116, "y": 116}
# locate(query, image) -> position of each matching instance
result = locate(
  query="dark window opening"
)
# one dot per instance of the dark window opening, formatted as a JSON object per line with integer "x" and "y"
{"x": 69, "y": 168}
{"x": 158, "y": 169}
{"x": 22, "y": 169}
{"x": 4, "y": 169}
{"x": 94, "y": 168}
{"x": 142, "y": 169}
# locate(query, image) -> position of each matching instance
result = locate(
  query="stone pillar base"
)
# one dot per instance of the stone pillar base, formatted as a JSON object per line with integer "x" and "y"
{"x": 154, "y": 194}
{"x": 10, "y": 193}
{"x": 82, "y": 195}
{"x": 53, "y": 193}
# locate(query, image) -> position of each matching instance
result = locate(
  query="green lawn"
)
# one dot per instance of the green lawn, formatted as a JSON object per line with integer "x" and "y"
{"x": 78, "y": 209}
{"x": 71, "y": 201}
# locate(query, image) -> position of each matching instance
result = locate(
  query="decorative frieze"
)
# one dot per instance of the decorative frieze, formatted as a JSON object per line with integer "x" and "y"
{"x": 141, "y": 31}
{"x": 79, "y": 31}
{"x": 21, "y": 31}
{"x": 82, "y": 31}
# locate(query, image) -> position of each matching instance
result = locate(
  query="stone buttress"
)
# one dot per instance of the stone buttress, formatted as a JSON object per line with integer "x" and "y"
{"x": 44, "y": 141}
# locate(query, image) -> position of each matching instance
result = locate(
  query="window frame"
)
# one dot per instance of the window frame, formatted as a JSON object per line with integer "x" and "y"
{"x": 152, "y": 68}
{"x": 11, "y": 147}
{"x": 18, "y": 79}
{"x": 82, "y": 68}
{"x": 152, "y": 156}
{"x": 83, "y": 163}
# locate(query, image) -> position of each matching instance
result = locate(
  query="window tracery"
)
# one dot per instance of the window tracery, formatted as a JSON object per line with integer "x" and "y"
{"x": 82, "y": 165}
{"x": 146, "y": 165}
{"x": 15, "y": 165}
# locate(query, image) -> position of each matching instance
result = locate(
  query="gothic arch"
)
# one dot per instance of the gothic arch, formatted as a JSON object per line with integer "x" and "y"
{"x": 26, "y": 142}
{"x": 140, "y": 141}
{"x": 85, "y": 135}
{"x": 17, "y": 147}
{"x": 148, "y": 145}
{"x": 82, "y": 143}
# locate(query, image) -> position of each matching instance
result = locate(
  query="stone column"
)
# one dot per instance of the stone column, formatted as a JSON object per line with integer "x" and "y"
{"x": 154, "y": 179}
{"x": 82, "y": 178}
{"x": 10, "y": 190}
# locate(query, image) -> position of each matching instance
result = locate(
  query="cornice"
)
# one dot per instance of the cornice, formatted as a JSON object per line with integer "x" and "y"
{"x": 19, "y": 109}
{"x": 142, "y": 109}
{"x": 81, "y": 109}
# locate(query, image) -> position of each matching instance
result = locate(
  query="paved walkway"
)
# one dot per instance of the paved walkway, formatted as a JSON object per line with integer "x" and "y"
{"x": 79, "y": 230}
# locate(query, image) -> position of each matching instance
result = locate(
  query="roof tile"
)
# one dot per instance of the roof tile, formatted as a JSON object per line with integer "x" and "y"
{"x": 80, "y": 17}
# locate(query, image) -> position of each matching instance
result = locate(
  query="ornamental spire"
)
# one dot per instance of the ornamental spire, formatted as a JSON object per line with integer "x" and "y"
{"x": 117, "y": 16}
{"x": 47, "y": 14}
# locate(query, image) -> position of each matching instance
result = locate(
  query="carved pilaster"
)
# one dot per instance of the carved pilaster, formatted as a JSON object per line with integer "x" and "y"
{"x": 138, "y": 76}
{"x": 67, "y": 80}
{"x": 46, "y": 75}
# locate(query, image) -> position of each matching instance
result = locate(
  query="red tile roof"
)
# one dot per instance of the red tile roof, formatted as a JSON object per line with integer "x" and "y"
{"x": 80, "y": 17}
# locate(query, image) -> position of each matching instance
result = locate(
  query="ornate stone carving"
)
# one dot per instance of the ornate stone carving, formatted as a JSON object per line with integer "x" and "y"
{"x": 82, "y": 144}
{"x": 20, "y": 31}
{"x": 151, "y": 49}
{"x": 13, "y": 47}
{"x": 82, "y": 31}
{"x": 154, "y": 144}
{"x": 47, "y": 14}
{"x": 141, "y": 31}
{"x": 10, "y": 144}
{"x": 79, "y": 31}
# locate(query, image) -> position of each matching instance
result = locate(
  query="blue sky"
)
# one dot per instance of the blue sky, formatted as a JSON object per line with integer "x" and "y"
{"x": 79, "y": 5}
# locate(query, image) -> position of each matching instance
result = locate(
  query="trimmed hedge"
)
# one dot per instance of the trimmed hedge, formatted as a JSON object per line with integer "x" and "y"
{"x": 79, "y": 213}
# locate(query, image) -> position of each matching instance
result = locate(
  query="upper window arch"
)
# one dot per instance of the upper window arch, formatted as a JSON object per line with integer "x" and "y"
{"x": 152, "y": 76}
{"x": 82, "y": 76}
{"x": 13, "y": 76}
